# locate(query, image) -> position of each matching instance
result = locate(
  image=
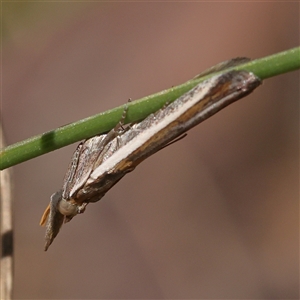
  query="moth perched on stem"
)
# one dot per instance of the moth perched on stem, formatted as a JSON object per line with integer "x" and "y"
{"x": 101, "y": 161}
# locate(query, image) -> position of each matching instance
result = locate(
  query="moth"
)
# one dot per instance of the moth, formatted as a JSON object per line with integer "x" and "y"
{"x": 100, "y": 162}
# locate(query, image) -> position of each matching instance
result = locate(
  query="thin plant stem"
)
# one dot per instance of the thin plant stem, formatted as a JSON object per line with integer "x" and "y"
{"x": 264, "y": 68}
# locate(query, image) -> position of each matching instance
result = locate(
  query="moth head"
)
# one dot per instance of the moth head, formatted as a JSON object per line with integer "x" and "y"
{"x": 67, "y": 208}
{"x": 58, "y": 212}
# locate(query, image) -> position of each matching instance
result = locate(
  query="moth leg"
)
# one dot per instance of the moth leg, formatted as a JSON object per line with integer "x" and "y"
{"x": 223, "y": 66}
{"x": 82, "y": 208}
{"x": 118, "y": 129}
{"x": 166, "y": 104}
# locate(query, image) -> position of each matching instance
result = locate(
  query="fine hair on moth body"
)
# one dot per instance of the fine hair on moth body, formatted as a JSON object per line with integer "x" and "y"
{"x": 100, "y": 162}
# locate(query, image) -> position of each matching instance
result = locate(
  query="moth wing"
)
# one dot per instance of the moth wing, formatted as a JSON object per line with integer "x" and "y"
{"x": 95, "y": 187}
{"x": 82, "y": 164}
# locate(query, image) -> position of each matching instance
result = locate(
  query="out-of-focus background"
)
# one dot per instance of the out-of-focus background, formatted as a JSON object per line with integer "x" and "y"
{"x": 215, "y": 215}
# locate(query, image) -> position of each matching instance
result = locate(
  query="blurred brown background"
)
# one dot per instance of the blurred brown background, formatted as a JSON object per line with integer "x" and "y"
{"x": 215, "y": 215}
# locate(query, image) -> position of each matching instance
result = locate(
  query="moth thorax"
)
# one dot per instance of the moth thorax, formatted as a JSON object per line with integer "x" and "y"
{"x": 67, "y": 208}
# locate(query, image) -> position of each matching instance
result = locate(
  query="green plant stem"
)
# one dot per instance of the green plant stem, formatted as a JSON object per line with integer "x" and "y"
{"x": 266, "y": 67}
